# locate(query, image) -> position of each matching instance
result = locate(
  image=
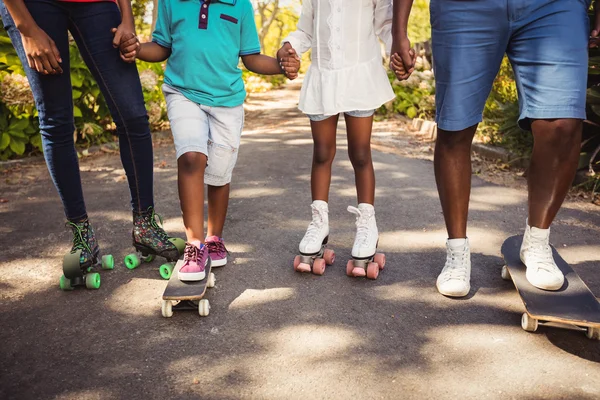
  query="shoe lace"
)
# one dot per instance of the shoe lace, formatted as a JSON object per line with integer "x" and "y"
{"x": 362, "y": 225}
{"x": 312, "y": 233}
{"x": 191, "y": 253}
{"x": 79, "y": 242}
{"x": 542, "y": 252}
{"x": 456, "y": 261}
{"x": 216, "y": 247}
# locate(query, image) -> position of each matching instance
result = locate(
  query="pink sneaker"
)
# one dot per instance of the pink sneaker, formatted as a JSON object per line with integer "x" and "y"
{"x": 195, "y": 259}
{"x": 216, "y": 250}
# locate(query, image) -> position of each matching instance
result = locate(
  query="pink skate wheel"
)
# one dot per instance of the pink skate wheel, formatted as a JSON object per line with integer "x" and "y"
{"x": 380, "y": 260}
{"x": 297, "y": 260}
{"x": 329, "y": 256}
{"x": 372, "y": 270}
{"x": 303, "y": 267}
{"x": 359, "y": 272}
{"x": 350, "y": 268}
{"x": 319, "y": 266}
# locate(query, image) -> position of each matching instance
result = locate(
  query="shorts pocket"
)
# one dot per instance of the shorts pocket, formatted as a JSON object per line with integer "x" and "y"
{"x": 221, "y": 161}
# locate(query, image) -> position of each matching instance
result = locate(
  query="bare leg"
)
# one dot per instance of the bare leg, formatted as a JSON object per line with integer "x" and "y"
{"x": 218, "y": 201}
{"x": 190, "y": 179}
{"x": 452, "y": 164}
{"x": 359, "y": 151}
{"x": 323, "y": 133}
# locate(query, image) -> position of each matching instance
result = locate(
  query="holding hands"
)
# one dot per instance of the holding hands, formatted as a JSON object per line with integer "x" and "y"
{"x": 289, "y": 61}
{"x": 403, "y": 59}
{"x": 127, "y": 42}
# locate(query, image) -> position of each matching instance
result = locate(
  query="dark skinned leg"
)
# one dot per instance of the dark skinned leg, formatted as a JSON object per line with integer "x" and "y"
{"x": 359, "y": 151}
{"x": 452, "y": 164}
{"x": 218, "y": 201}
{"x": 553, "y": 164}
{"x": 323, "y": 133}
{"x": 190, "y": 180}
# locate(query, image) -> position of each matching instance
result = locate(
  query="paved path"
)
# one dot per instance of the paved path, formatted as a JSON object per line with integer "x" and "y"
{"x": 273, "y": 333}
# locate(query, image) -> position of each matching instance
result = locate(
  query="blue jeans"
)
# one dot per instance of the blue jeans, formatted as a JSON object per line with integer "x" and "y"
{"x": 90, "y": 25}
{"x": 545, "y": 40}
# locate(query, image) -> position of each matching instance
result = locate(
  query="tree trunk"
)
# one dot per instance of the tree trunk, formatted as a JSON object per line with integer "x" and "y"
{"x": 266, "y": 22}
{"x": 154, "y": 14}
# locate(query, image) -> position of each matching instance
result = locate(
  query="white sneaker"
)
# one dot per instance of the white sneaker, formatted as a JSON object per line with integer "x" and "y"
{"x": 318, "y": 229}
{"x": 367, "y": 236}
{"x": 536, "y": 254}
{"x": 454, "y": 280}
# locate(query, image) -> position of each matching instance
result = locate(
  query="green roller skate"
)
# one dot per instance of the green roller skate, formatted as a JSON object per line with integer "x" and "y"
{"x": 83, "y": 257}
{"x": 150, "y": 240}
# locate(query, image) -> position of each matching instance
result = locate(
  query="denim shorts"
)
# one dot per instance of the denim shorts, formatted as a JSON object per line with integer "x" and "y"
{"x": 356, "y": 114}
{"x": 213, "y": 131}
{"x": 546, "y": 42}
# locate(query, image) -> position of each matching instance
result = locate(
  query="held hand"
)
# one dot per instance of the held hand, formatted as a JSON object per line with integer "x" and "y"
{"x": 126, "y": 40}
{"x": 290, "y": 64}
{"x": 403, "y": 59}
{"x": 595, "y": 34}
{"x": 42, "y": 53}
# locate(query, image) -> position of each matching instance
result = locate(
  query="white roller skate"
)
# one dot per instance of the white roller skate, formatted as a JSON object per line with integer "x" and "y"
{"x": 314, "y": 256}
{"x": 365, "y": 259}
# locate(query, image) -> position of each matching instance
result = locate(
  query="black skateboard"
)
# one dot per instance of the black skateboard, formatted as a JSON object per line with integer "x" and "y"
{"x": 181, "y": 295}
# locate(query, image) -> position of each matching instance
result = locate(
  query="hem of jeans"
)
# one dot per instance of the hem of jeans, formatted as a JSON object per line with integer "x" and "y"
{"x": 455, "y": 126}
{"x": 83, "y": 217}
{"x": 553, "y": 113}
{"x": 192, "y": 149}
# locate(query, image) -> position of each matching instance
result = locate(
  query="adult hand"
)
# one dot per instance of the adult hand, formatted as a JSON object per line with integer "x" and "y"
{"x": 595, "y": 34}
{"x": 403, "y": 64}
{"x": 42, "y": 53}
{"x": 125, "y": 38}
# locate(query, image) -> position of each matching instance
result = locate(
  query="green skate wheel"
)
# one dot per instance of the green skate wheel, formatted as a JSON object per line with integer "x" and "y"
{"x": 132, "y": 261}
{"x": 65, "y": 283}
{"x": 179, "y": 243}
{"x": 108, "y": 262}
{"x": 166, "y": 270}
{"x": 92, "y": 280}
{"x": 148, "y": 258}
{"x": 71, "y": 266}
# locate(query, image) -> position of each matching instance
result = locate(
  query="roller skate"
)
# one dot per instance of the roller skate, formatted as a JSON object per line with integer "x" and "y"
{"x": 314, "y": 256}
{"x": 150, "y": 239}
{"x": 83, "y": 257}
{"x": 365, "y": 259}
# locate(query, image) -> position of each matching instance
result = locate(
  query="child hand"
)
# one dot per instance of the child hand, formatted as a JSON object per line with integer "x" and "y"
{"x": 290, "y": 64}
{"x": 129, "y": 46}
{"x": 397, "y": 65}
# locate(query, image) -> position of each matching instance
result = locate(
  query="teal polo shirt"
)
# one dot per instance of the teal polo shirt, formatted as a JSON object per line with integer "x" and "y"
{"x": 207, "y": 38}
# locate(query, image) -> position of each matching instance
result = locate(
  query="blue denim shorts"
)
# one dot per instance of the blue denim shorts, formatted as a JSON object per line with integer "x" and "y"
{"x": 213, "y": 131}
{"x": 356, "y": 114}
{"x": 545, "y": 40}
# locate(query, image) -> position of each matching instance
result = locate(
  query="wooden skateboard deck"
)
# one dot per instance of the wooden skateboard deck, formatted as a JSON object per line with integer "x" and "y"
{"x": 574, "y": 306}
{"x": 179, "y": 295}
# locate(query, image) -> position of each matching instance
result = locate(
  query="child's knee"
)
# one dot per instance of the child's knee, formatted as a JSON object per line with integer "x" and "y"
{"x": 221, "y": 161}
{"x": 360, "y": 159}
{"x": 192, "y": 163}
{"x": 323, "y": 155}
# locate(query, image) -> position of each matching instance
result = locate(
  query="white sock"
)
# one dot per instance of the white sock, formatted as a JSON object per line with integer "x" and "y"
{"x": 457, "y": 243}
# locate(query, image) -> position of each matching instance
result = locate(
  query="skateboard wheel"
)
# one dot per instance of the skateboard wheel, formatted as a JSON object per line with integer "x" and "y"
{"x": 505, "y": 274}
{"x": 593, "y": 333}
{"x": 373, "y": 270}
{"x": 108, "y": 262}
{"x": 167, "y": 308}
{"x": 179, "y": 243}
{"x": 379, "y": 259}
{"x": 132, "y": 261}
{"x": 528, "y": 323}
{"x": 71, "y": 266}
{"x": 329, "y": 256}
{"x": 204, "y": 308}
{"x": 297, "y": 261}
{"x": 148, "y": 258}
{"x": 350, "y": 268}
{"x": 211, "y": 280}
{"x": 92, "y": 280}
{"x": 318, "y": 267}
{"x": 65, "y": 283}
{"x": 166, "y": 270}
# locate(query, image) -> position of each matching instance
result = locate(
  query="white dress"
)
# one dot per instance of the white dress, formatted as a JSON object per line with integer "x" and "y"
{"x": 346, "y": 73}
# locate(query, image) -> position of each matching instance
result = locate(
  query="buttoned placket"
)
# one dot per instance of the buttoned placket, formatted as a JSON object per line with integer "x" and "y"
{"x": 203, "y": 22}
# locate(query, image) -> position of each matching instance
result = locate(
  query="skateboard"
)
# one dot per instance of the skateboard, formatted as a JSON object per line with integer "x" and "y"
{"x": 74, "y": 275}
{"x": 316, "y": 262}
{"x": 369, "y": 267}
{"x": 133, "y": 260}
{"x": 181, "y": 295}
{"x": 573, "y": 306}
